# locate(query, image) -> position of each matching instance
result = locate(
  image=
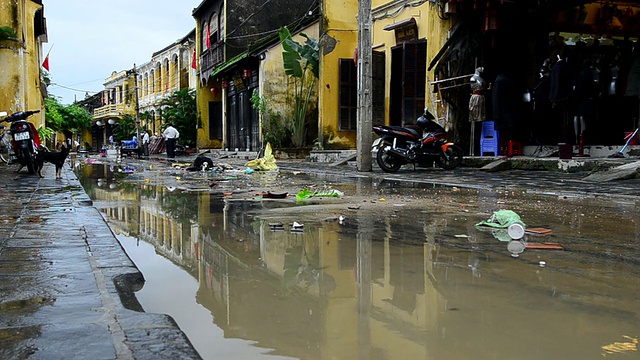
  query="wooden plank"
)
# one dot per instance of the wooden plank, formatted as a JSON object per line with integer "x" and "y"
{"x": 543, "y": 246}
{"x": 538, "y": 231}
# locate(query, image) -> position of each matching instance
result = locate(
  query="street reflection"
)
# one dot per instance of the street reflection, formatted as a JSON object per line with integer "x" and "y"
{"x": 387, "y": 284}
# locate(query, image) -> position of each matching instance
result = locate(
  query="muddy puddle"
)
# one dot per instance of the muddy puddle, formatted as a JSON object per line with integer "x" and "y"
{"x": 391, "y": 270}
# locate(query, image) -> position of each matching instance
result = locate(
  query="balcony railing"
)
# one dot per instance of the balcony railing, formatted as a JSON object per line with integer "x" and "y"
{"x": 211, "y": 58}
{"x": 111, "y": 110}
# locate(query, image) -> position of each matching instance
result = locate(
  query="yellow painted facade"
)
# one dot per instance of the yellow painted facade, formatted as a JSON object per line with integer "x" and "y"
{"x": 275, "y": 85}
{"x": 338, "y": 35}
{"x": 20, "y": 86}
{"x": 340, "y": 39}
{"x": 340, "y": 29}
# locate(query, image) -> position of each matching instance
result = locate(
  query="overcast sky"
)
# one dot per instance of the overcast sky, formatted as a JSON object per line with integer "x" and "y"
{"x": 89, "y": 39}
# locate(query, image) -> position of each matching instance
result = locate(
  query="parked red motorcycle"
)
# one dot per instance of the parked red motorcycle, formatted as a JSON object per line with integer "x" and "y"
{"x": 399, "y": 145}
{"x": 24, "y": 139}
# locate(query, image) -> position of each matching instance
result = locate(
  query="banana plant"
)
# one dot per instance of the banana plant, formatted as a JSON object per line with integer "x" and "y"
{"x": 301, "y": 63}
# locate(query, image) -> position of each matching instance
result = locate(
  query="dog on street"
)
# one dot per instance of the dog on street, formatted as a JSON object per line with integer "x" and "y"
{"x": 57, "y": 158}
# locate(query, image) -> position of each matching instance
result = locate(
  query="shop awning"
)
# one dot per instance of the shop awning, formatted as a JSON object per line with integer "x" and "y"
{"x": 229, "y": 64}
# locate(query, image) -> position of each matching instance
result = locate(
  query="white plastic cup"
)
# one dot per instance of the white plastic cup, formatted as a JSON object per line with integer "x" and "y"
{"x": 516, "y": 230}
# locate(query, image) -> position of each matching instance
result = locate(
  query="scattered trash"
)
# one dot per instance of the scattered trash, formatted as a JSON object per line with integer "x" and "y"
{"x": 297, "y": 225}
{"x": 146, "y": 180}
{"x": 270, "y": 195}
{"x": 306, "y": 193}
{"x": 621, "y": 346}
{"x": 538, "y": 231}
{"x": 171, "y": 188}
{"x": 516, "y": 247}
{"x": 341, "y": 220}
{"x": 178, "y": 178}
{"x": 542, "y": 263}
{"x": 383, "y": 199}
{"x": 461, "y": 236}
{"x": 268, "y": 162}
{"x": 501, "y": 219}
{"x": 543, "y": 246}
{"x": 516, "y": 230}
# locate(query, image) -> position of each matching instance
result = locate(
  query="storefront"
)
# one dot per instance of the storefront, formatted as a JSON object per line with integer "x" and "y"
{"x": 554, "y": 72}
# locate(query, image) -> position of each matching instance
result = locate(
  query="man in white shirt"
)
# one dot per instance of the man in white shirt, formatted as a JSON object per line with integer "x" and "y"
{"x": 170, "y": 135}
{"x": 145, "y": 143}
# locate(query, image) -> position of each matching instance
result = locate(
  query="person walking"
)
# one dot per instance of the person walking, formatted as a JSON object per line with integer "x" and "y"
{"x": 145, "y": 143}
{"x": 170, "y": 136}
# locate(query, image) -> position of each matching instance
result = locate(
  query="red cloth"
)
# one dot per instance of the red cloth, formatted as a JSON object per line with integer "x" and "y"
{"x": 45, "y": 63}
{"x": 208, "y": 37}
{"x": 193, "y": 62}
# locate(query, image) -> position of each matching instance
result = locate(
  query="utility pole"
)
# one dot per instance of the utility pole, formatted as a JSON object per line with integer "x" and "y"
{"x": 135, "y": 88}
{"x": 365, "y": 108}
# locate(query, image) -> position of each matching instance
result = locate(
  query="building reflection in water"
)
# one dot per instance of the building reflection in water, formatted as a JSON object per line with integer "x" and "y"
{"x": 376, "y": 287}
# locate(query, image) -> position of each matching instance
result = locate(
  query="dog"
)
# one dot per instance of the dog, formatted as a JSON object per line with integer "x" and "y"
{"x": 57, "y": 158}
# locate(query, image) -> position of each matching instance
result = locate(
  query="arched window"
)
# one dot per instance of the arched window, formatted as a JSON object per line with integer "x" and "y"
{"x": 205, "y": 35}
{"x": 221, "y": 23}
{"x": 214, "y": 28}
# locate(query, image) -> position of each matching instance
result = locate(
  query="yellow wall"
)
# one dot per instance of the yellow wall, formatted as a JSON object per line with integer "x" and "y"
{"x": 340, "y": 24}
{"x": 275, "y": 86}
{"x": 341, "y": 28}
{"x": 204, "y": 95}
{"x": 20, "y": 70}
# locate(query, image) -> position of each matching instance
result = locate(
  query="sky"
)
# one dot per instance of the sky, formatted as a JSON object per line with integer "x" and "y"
{"x": 89, "y": 39}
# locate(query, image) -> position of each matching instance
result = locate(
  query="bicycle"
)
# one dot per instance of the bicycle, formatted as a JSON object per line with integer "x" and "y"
{"x": 6, "y": 149}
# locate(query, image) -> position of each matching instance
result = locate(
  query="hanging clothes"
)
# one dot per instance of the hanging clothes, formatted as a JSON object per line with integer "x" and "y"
{"x": 560, "y": 81}
{"x": 477, "y": 102}
{"x": 505, "y": 102}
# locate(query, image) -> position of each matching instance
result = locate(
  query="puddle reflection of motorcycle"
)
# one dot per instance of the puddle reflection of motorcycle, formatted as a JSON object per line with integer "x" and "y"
{"x": 24, "y": 139}
{"x": 426, "y": 142}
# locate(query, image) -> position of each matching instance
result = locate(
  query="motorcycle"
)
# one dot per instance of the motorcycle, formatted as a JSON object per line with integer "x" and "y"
{"x": 398, "y": 146}
{"x": 24, "y": 139}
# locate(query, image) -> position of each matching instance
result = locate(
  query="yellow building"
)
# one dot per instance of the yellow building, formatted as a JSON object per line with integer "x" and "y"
{"x": 405, "y": 37}
{"x": 169, "y": 70}
{"x": 21, "y": 87}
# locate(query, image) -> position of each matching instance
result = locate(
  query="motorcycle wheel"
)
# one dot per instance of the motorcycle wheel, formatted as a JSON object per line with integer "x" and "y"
{"x": 28, "y": 161}
{"x": 387, "y": 162}
{"x": 450, "y": 159}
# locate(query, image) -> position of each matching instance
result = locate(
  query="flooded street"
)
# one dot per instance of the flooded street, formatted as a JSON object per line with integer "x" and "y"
{"x": 391, "y": 270}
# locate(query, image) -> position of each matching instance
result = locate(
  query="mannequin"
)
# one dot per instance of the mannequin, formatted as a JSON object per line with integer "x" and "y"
{"x": 476, "y": 104}
{"x": 541, "y": 103}
{"x": 585, "y": 93}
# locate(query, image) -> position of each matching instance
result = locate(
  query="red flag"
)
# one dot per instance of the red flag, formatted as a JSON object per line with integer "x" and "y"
{"x": 208, "y": 37}
{"x": 193, "y": 62}
{"x": 45, "y": 63}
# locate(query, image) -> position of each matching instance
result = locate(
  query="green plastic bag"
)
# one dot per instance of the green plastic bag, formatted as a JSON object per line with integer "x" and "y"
{"x": 501, "y": 219}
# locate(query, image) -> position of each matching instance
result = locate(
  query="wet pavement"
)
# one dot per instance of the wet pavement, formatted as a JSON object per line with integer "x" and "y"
{"x": 66, "y": 285}
{"x": 405, "y": 274}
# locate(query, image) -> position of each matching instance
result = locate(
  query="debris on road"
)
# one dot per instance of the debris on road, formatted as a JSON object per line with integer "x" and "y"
{"x": 268, "y": 162}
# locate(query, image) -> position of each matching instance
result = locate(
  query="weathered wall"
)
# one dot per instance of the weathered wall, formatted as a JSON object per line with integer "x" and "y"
{"x": 249, "y": 21}
{"x": 276, "y": 87}
{"x": 339, "y": 41}
{"x": 20, "y": 59}
{"x": 430, "y": 27}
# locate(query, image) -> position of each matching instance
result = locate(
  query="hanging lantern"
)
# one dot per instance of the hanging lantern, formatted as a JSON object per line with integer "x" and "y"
{"x": 214, "y": 91}
{"x": 246, "y": 73}
{"x": 225, "y": 84}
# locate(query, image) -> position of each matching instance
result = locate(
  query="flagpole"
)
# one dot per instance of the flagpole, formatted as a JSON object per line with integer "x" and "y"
{"x": 48, "y": 52}
{"x": 46, "y": 58}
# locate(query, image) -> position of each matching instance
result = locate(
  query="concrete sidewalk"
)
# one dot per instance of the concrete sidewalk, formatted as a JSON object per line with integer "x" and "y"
{"x": 66, "y": 284}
